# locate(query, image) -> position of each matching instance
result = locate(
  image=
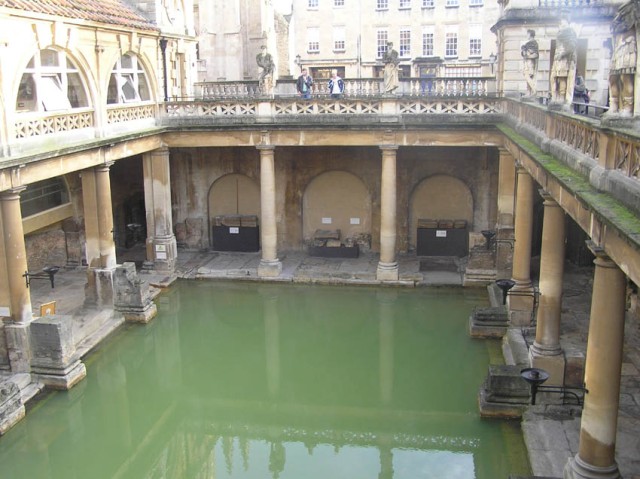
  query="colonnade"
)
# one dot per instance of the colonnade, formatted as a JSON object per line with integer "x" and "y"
{"x": 99, "y": 247}
{"x": 596, "y": 455}
{"x": 271, "y": 266}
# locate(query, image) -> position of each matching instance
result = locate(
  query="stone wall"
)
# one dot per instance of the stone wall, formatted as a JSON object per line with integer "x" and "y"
{"x": 46, "y": 248}
{"x": 194, "y": 171}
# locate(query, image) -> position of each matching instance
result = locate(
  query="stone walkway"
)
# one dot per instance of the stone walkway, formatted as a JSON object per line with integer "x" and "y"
{"x": 550, "y": 432}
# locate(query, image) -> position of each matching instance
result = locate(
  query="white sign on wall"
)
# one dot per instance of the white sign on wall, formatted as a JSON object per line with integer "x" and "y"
{"x": 355, "y": 221}
{"x": 441, "y": 233}
{"x": 326, "y": 221}
{"x": 234, "y": 230}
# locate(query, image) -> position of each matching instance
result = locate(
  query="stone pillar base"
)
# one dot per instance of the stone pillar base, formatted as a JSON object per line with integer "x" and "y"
{"x": 63, "y": 379}
{"x": 132, "y": 296}
{"x": 55, "y": 362}
{"x": 11, "y": 408}
{"x": 554, "y": 365}
{"x": 140, "y": 315}
{"x": 520, "y": 301}
{"x": 269, "y": 268}
{"x": 18, "y": 346}
{"x": 387, "y": 272}
{"x": 576, "y": 468}
{"x": 99, "y": 288}
{"x": 165, "y": 253}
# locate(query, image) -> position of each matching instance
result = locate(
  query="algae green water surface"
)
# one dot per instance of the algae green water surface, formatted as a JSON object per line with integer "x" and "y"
{"x": 244, "y": 380}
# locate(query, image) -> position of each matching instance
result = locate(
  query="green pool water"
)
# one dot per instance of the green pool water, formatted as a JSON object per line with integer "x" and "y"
{"x": 245, "y": 380}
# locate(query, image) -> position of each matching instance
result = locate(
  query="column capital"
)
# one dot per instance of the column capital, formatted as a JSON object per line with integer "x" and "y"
{"x": 12, "y": 193}
{"x": 600, "y": 254}
{"x": 104, "y": 166}
{"x": 161, "y": 151}
{"x": 388, "y": 147}
{"x": 266, "y": 147}
{"x": 548, "y": 199}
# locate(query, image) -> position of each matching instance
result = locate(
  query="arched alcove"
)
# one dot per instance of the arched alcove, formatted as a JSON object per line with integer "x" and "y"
{"x": 439, "y": 197}
{"x": 336, "y": 200}
{"x": 230, "y": 196}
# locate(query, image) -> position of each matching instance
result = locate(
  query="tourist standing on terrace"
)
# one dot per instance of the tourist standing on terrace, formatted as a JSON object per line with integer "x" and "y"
{"x": 304, "y": 83}
{"x": 336, "y": 85}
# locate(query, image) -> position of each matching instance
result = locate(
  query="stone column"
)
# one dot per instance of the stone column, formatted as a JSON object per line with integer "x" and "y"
{"x": 270, "y": 265}
{"x": 100, "y": 246}
{"x": 521, "y": 302}
{"x": 504, "y": 225}
{"x": 105, "y": 217}
{"x": 162, "y": 249}
{"x": 388, "y": 266}
{"x": 596, "y": 452}
{"x": 16, "y": 331}
{"x": 546, "y": 352}
{"x": 91, "y": 231}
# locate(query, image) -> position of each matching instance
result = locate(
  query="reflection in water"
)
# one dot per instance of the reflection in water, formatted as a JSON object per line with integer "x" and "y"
{"x": 265, "y": 381}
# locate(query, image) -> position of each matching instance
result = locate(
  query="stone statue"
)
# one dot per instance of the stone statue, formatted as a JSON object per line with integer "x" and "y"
{"x": 391, "y": 61}
{"x": 530, "y": 54}
{"x": 265, "y": 78}
{"x": 563, "y": 71}
{"x": 624, "y": 62}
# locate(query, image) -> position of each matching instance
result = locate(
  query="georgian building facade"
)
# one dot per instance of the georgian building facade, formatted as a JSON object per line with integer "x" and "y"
{"x": 436, "y": 38}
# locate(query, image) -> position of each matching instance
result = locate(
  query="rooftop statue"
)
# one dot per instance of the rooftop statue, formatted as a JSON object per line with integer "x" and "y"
{"x": 563, "y": 70}
{"x": 622, "y": 73}
{"x": 530, "y": 54}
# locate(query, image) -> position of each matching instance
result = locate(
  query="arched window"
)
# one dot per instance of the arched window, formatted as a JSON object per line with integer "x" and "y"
{"x": 128, "y": 82}
{"x": 51, "y": 82}
{"x": 43, "y": 195}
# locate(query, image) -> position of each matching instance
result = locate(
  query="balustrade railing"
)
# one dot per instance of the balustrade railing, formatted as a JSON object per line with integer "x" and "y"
{"x": 28, "y": 125}
{"x": 568, "y": 3}
{"x": 120, "y": 114}
{"x": 580, "y": 136}
{"x": 353, "y": 87}
{"x": 324, "y": 105}
{"x": 627, "y": 157}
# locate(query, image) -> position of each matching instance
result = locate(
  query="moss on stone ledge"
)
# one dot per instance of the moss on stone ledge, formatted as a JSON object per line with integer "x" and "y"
{"x": 608, "y": 210}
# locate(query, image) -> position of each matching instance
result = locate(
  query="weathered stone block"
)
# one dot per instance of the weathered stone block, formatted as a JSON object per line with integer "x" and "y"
{"x": 504, "y": 393}
{"x": 11, "y": 408}
{"x": 54, "y": 361}
{"x": 52, "y": 342}
{"x": 505, "y": 381}
{"x": 489, "y": 322}
{"x": 131, "y": 295}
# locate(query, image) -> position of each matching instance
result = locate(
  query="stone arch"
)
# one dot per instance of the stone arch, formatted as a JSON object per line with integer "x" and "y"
{"x": 233, "y": 194}
{"x": 439, "y": 197}
{"x": 341, "y": 198}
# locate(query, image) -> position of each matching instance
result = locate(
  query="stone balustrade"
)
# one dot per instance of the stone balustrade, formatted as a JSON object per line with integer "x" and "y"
{"x": 353, "y": 87}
